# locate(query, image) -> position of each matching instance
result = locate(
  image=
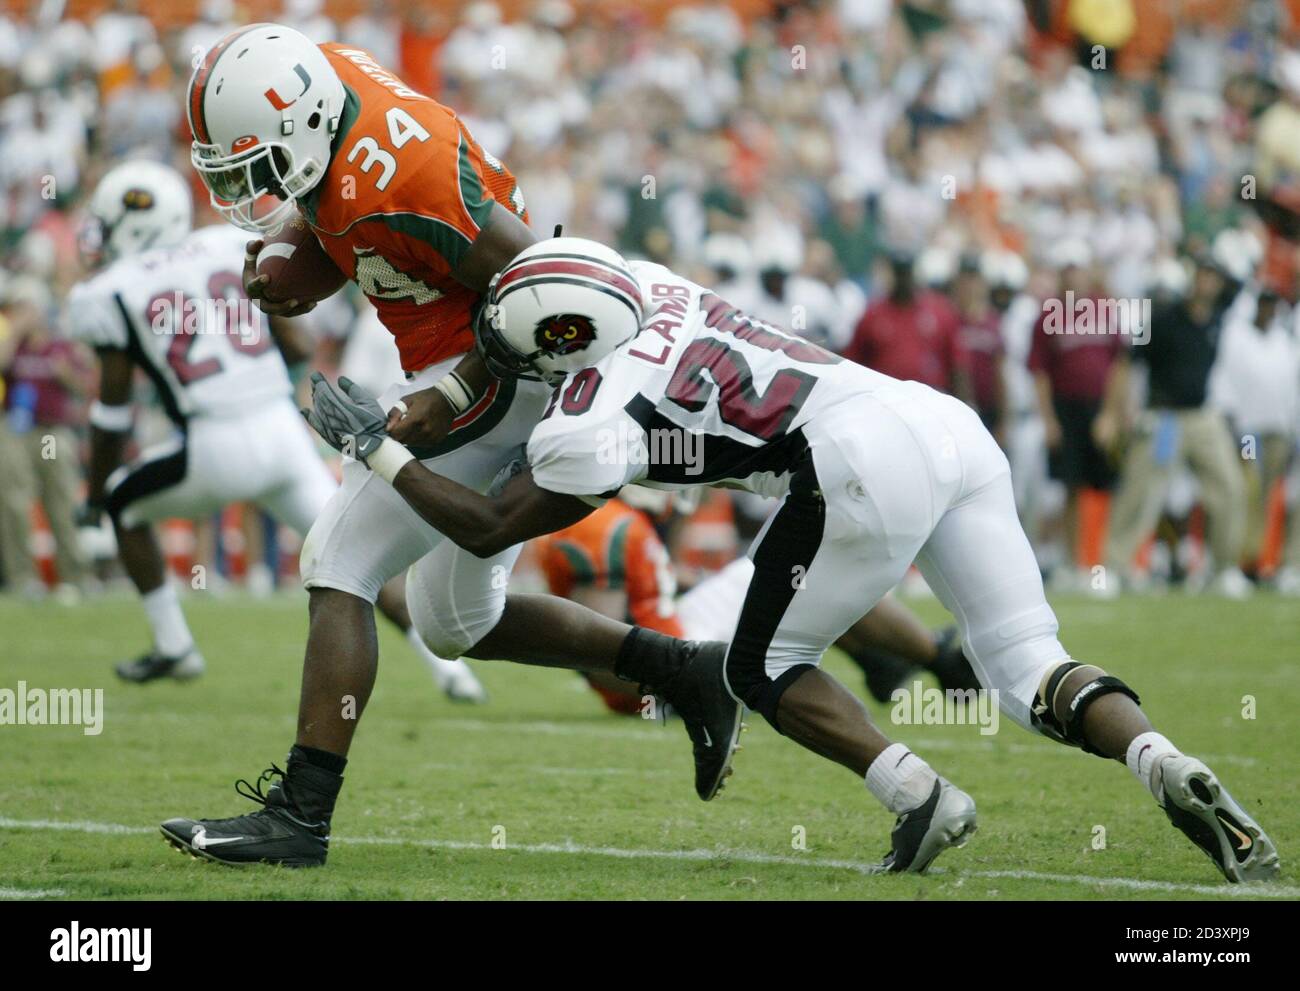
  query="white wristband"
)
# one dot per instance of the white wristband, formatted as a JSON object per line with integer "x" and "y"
{"x": 111, "y": 419}
{"x": 456, "y": 392}
{"x": 388, "y": 459}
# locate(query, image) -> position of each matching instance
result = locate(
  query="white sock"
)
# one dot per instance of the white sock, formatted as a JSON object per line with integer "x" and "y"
{"x": 899, "y": 779}
{"x": 440, "y": 667}
{"x": 171, "y": 634}
{"x": 1144, "y": 756}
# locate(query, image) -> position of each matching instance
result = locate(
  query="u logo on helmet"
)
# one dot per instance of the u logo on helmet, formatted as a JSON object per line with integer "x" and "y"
{"x": 564, "y": 333}
{"x": 278, "y": 101}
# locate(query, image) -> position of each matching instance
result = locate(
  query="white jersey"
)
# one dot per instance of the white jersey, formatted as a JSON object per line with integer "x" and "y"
{"x": 702, "y": 395}
{"x": 181, "y": 314}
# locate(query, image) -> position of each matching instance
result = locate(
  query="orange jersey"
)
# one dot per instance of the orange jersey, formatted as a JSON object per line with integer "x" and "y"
{"x": 405, "y": 194}
{"x": 615, "y": 548}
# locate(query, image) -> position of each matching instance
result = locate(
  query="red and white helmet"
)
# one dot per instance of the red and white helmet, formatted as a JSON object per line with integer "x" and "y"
{"x": 263, "y": 105}
{"x": 561, "y": 305}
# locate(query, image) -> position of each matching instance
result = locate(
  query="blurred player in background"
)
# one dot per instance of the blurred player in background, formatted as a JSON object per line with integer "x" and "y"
{"x": 170, "y": 303}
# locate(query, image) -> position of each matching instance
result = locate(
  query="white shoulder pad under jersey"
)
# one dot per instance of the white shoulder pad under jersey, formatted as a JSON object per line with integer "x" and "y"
{"x": 181, "y": 313}
{"x": 91, "y": 316}
{"x": 581, "y": 445}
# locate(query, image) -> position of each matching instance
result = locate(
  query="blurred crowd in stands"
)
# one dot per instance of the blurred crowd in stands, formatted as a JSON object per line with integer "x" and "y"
{"x": 1076, "y": 216}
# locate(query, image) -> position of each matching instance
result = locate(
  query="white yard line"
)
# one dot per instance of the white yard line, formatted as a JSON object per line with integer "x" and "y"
{"x": 16, "y": 894}
{"x": 721, "y": 856}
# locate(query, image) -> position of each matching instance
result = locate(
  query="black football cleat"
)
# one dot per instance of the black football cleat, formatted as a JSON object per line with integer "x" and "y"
{"x": 1202, "y": 808}
{"x": 946, "y": 819}
{"x": 291, "y": 829}
{"x": 951, "y": 666}
{"x": 152, "y": 666}
{"x": 698, "y": 695}
{"x": 884, "y": 672}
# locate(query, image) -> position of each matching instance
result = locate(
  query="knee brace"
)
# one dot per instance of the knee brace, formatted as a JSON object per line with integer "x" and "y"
{"x": 1070, "y": 732}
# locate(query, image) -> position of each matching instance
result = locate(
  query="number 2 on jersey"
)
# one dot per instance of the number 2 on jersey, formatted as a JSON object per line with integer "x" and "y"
{"x": 766, "y": 415}
{"x": 178, "y": 315}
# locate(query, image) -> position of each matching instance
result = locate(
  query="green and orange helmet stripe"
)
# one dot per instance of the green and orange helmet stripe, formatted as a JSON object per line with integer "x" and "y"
{"x": 199, "y": 82}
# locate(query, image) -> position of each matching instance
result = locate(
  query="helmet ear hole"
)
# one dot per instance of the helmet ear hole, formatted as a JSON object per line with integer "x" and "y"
{"x": 313, "y": 121}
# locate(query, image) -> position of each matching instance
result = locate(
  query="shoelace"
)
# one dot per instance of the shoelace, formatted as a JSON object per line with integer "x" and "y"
{"x": 254, "y": 793}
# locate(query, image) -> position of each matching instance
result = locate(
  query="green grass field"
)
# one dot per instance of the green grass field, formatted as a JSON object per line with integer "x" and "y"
{"x": 591, "y": 805}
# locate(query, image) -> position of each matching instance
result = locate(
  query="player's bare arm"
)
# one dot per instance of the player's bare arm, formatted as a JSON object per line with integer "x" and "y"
{"x": 500, "y": 240}
{"x": 110, "y": 426}
{"x": 428, "y": 414}
{"x": 487, "y": 525}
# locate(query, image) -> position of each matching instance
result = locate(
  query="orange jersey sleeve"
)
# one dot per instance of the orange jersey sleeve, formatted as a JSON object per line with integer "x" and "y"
{"x": 405, "y": 195}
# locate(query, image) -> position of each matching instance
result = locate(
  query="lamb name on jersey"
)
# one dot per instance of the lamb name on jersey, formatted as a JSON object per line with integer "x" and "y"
{"x": 703, "y": 394}
{"x": 181, "y": 313}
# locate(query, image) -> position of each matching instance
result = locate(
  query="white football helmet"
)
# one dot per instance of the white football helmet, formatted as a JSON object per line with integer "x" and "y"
{"x": 136, "y": 206}
{"x": 263, "y": 105}
{"x": 582, "y": 302}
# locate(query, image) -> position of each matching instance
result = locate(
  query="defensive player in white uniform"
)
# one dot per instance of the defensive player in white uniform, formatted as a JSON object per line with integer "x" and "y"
{"x": 171, "y": 302}
{"x": 874, "y": 473}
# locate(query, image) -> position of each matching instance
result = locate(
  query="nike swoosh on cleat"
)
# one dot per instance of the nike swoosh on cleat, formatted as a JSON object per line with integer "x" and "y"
{"x": 708, "y": 740}
{"x": 201, "y": 840}
{"x": 1246, "y": 841}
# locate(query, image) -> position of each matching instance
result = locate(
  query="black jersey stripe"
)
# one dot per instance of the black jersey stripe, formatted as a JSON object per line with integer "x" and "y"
{"x": 140, "y": 355}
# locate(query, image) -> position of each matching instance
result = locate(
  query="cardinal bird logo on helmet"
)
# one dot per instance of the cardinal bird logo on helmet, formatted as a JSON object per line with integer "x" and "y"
{"x": 564, "y": 333}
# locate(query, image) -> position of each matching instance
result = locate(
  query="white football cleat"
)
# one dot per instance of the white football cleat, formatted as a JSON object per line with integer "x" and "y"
{"x": 945, "y": 819}
{"x": 1287, "y": 581}
{"x": 1231, "y": 583}
{"x": 1202, "y": 808}
{"x": 456, "y": 680}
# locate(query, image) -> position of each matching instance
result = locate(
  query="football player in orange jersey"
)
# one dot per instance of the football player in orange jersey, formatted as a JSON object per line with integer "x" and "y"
{"x": 413, "y": 210}
{"x": 614, "y": 562}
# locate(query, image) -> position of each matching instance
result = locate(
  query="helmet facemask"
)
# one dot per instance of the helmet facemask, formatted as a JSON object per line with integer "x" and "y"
{"x": 237, "y": 183}
{"x": 502, "y": 358}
